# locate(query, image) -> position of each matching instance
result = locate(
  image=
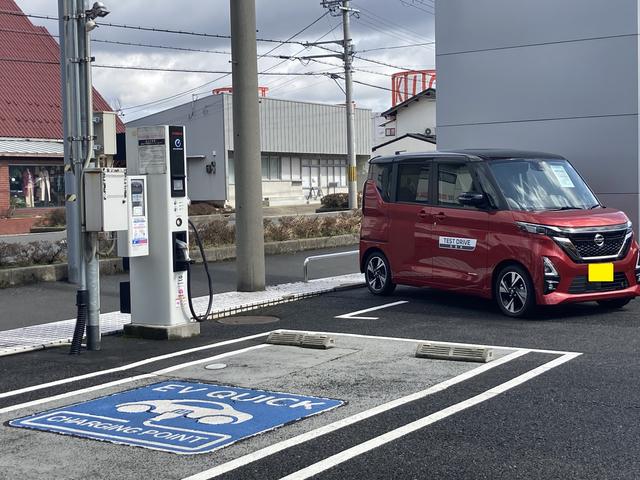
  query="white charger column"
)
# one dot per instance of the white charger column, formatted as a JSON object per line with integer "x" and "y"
{"x": 159, "y": 307}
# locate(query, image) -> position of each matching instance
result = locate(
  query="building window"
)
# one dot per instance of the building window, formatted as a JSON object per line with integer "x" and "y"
{"x": 36, "y": 186}
{"x": 285, "y": 168}
{"x": 296, "y": 170}
{"x": 232, "y": 171}
{"x": 270, "y": 167}
{"x": 390, "y": 132}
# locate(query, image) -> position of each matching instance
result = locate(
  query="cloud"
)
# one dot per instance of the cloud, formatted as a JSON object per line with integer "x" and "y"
{"x": 380, "y": 23}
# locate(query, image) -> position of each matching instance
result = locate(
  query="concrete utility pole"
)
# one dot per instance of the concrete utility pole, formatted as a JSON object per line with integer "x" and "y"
{"x": 246, "y": 145}
{"x": 77, "y": 21}
{"x": 347, "y": 44}
{"x": 73, "y": 249}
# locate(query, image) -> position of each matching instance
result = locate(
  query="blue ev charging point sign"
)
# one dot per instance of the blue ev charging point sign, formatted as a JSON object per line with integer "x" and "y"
{"x": 179, "y": 417}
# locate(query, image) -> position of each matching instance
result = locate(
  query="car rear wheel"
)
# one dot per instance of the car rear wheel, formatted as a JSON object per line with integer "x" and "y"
{"x": 378, "y": 274}
{"x": 614, "y": 303}
{"x": 514, "y": 292}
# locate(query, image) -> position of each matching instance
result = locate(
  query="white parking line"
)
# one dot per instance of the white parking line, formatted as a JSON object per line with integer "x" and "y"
{"x": 128, "y": 366}
{"x": 353, "y": 315}
{"x": 143, "y": 376}
{"x": 369, "y": 445}
{"x": 332, "y": 427}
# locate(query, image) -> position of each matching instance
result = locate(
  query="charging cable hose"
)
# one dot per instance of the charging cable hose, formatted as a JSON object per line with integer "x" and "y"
{"x": 200, "y": 318}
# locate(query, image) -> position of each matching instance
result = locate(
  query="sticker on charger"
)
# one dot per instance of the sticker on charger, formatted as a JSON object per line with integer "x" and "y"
{"x": 457, "y": 243}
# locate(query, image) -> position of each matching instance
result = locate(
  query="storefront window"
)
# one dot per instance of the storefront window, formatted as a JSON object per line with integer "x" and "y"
{"x": 36, "y": 186}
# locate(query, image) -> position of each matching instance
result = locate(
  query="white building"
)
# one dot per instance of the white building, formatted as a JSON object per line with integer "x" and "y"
{"x": 410, "y": 125}
{"x": 303, "y": 148}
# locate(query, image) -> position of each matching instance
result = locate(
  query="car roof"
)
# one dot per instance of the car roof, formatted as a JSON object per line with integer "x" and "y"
{"x": 476, "y": 154}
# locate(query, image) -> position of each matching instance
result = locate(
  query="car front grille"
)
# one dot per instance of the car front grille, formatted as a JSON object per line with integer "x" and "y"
{"x": 581, "y": 244}
{"x": 581, "y": 284}
{"x": 586, "y": 246}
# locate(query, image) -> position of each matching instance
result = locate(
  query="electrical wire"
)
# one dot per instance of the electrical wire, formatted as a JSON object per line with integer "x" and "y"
{"x": 396, "y": 46}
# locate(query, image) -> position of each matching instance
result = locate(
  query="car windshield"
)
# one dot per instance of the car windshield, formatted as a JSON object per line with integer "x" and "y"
{"x": 530, "y": 184}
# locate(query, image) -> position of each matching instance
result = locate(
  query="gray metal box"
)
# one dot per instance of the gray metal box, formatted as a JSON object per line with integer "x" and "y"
{"x": 105, "y": 199}
{"x": 104, "y": 128}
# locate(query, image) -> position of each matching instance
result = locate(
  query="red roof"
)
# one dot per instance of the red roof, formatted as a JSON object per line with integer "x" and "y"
{"x": 30, "y": 99}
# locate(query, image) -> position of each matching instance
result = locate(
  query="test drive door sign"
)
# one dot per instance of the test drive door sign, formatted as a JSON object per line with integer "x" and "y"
{"x": 179, "y": 417}
{"x": 456, "y": 243}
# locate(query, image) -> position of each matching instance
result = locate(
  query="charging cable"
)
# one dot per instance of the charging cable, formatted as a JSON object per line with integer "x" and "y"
{"x": 206, "y": 269}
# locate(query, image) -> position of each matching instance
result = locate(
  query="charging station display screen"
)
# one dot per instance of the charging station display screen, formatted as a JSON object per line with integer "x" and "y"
{"x": 137, "y": 198}
{"x": 177, "y": 161}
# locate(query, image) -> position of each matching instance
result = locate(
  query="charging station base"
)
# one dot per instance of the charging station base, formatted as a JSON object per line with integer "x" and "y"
{"x": 154, "y": 332}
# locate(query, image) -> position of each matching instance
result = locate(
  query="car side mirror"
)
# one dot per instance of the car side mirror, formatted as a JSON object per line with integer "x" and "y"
{"x": 472, "y": 199}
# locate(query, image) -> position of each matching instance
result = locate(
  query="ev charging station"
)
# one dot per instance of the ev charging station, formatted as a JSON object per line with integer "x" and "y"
{"x": 157, "y": 238}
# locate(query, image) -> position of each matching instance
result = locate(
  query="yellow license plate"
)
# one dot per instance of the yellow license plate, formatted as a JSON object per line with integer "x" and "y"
{"x": 601, "y": 272}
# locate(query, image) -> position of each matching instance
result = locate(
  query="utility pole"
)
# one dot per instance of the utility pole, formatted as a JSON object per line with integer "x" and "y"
{"x": 336, "y": 6}
{"x": 246, "y": 145}
{"x": 77, "y": 21}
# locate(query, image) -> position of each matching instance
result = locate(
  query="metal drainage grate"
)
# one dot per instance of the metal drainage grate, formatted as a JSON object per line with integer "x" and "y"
{"x": 300, "y": 339}
{"x": 464, "y": 353}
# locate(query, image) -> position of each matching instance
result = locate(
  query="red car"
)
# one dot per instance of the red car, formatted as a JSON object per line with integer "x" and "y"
{"x": 520, "y": 227}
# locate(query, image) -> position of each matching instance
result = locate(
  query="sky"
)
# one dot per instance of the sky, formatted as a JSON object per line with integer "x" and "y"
{"x": 378, "y": 25}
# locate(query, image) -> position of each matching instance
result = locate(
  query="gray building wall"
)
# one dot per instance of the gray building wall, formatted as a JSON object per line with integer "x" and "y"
{"x": 551, "y": 75}
{"x": 301, "y": 127}
{"x": 204, "y": 134}
{"x": 292, "y": 128}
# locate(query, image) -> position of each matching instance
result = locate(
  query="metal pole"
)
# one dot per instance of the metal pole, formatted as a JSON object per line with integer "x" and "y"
{"x": 348, "y": 86}
{"x": 246, "y": 144}
{"x": 92, "y": 264}
{"x": 72, "y": 101}
{"x": 64, "y": 8}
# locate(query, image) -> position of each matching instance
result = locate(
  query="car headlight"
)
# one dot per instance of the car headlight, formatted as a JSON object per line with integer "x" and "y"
{"x": 638, "y": 262}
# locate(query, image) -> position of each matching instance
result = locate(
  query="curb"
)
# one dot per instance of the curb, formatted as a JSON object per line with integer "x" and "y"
{"x": 14, "y": 277}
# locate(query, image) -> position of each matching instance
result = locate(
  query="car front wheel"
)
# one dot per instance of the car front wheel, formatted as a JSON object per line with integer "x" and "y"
{"x": 378, "y": 275}
{"x": 514, "y": 292}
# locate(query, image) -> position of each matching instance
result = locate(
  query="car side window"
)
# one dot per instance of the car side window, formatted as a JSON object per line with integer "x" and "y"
{"x": 454, "y": 178}
{"x": 413, "y": 183}
{"x": 380, "y": 173}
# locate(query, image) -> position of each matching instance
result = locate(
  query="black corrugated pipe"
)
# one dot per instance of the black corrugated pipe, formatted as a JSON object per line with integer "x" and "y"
{"x": 82, "y": 302}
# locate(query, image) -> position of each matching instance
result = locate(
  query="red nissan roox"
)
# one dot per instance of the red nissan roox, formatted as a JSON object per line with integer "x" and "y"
{"x": 520, "y": 227}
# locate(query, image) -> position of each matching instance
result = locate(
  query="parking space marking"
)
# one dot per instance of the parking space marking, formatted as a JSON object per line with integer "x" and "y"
{"x": 337, "y": 425}
{"x": 353, "y": 315}
{"x": 400, "y": 432}
{"x": 128, "y": 366}
{"x": 122, "y": 381}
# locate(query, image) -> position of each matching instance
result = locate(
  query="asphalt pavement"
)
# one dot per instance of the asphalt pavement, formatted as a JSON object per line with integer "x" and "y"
{"x": 565, "y": 406}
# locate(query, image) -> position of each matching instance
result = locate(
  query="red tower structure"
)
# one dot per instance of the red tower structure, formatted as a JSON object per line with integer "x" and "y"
{"x": 405, "y": 85}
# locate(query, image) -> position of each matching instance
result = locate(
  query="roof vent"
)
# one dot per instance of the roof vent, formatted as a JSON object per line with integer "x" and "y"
{"x": 441, "y": 351}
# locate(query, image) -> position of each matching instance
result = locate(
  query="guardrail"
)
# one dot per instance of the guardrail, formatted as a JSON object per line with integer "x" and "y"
{"x": 320, "y": 257}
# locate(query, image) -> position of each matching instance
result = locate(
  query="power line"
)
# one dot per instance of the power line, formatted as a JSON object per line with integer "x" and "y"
{"x": 397, "y": 46}
{"x": 146, "y": 29}
{"x": 412, "y": 3}
{"x": 192, "y": 90}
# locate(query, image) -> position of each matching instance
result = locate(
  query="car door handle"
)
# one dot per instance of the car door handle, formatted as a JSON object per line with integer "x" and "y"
{"x": 440, "y": 215}
{"x": 423, "y": 214}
